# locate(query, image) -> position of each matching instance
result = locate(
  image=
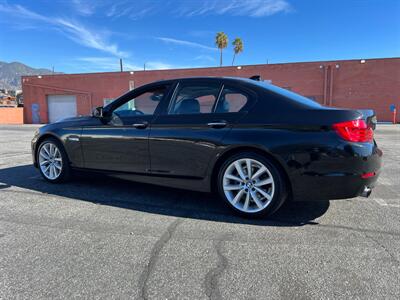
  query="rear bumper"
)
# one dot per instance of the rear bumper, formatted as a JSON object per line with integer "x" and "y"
{"x": 338, "y": 174}
{"x": 328, "y": 187}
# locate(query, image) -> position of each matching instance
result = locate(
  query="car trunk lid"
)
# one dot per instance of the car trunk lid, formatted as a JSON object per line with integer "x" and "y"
{"x": 369, "y": 116}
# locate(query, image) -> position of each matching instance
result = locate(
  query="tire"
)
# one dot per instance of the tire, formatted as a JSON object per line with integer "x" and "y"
{"x": 51, "y": 155}
{"x": 265, "y": 190}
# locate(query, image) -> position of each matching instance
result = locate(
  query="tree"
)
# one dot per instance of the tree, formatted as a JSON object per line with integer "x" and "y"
{"x": 221, "y": 41}
{"x": 237, "y": 48}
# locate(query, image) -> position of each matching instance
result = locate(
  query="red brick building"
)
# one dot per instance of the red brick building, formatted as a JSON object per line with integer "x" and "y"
{"x": 371, "y": 83}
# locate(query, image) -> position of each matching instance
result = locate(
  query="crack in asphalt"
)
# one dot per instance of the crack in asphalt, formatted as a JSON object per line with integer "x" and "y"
{"x": 211, "y": 279}
{"x": 383, "y": 247}
{"x": 155, "y": 252}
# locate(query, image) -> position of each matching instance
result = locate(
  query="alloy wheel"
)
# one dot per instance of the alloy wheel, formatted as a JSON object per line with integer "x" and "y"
{"x": 248, "y": 185}
{"x": 50, "y": 161}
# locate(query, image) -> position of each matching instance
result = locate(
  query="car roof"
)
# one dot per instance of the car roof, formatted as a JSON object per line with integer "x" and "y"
{"x": 219, "y": 78}
{"x": 255, "y": 85}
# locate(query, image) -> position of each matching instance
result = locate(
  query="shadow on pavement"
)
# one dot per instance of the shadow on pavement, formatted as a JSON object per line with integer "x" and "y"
{"x": 153, "y": 199}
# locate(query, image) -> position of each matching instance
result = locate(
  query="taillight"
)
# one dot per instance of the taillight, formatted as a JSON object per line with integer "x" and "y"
{"x": 368, "y": 175}
{"x": 354, "y": 131}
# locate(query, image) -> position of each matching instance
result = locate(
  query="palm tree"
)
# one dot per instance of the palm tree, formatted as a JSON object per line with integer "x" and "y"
{"x": 221, "y": 41}
{"x": 237, "y": 48}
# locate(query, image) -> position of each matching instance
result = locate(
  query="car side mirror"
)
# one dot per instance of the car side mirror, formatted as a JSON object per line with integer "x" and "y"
{"x": 98, "y": 112}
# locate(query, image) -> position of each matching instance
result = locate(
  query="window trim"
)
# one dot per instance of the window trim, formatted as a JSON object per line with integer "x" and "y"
{"x": 172, "y": 100}
{"x": 215, "y": 105}
{"x": 251, "y": 99}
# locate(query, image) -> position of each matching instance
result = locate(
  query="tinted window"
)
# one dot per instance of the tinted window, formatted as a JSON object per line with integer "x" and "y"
{"x": 295, "y": 97}
{"x": 231, "y": 100}
{"x": 143, "y": 104}
{"x": 195, "y": 98}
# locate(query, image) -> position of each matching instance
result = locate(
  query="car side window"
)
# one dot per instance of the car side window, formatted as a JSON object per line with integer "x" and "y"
{"x": 197, "y": 98}
{"x": 143, "y": 104}
{"x": 231, "y": 100}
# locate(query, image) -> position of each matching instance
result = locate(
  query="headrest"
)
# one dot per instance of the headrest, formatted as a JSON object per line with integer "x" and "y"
{"x": 188, "y": 106}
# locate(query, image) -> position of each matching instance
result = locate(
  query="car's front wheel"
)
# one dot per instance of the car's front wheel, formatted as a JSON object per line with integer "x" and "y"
{"x": 53, "y": 161}
{"x": 251, "y": 184}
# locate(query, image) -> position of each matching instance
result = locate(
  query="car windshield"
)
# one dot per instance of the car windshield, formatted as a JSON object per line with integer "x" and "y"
{"x": 284, "y": 92}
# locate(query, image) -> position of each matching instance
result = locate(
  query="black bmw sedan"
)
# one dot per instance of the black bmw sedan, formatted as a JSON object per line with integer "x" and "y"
{"x": 255, "y": 144}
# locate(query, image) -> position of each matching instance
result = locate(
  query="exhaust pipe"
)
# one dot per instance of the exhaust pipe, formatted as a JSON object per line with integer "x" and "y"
{"x": 366, "y": 192}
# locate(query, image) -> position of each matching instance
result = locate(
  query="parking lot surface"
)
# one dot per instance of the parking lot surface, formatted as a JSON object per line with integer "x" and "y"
{"x": 97, "y": 237}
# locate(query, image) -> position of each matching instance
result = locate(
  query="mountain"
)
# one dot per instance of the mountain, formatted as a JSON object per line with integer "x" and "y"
{"x": 10, "y": 74}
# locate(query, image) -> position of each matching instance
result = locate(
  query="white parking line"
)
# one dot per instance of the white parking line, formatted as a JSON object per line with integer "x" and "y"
{"x": 383, "y": 202}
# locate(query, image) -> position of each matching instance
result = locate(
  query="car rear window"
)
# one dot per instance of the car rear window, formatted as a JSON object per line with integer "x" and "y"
{"x": 295, "y": 97}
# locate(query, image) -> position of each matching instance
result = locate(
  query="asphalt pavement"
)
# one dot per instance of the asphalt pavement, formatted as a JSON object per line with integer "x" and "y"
{"x": 103, "y": 238}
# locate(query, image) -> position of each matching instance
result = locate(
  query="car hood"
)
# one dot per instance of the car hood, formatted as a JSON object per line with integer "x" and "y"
{"x": 70, "y": 122}
{"x": 75, "y": 119}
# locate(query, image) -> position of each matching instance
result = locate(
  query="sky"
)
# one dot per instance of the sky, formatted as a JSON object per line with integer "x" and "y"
{"x": 77, "y": 36}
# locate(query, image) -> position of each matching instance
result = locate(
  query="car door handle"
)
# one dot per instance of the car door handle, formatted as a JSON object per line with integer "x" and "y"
{"x": 73, "y": 138}
{"x": 218, "y": 124}
{"x": 141, "y": 125}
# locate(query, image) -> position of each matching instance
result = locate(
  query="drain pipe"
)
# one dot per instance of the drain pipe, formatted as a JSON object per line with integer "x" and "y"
{"x": 325, "y": 83}
{"x": 330, "y": 86}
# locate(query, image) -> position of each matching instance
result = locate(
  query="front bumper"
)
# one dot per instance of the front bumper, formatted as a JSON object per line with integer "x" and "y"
{"x": 33, "y": 149}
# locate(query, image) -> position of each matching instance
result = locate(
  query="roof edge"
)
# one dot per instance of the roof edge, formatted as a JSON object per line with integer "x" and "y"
{"x": 217, "y": 67}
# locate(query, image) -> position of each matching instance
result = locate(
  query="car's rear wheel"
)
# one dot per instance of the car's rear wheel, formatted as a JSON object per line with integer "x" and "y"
{"x": 251, "y": 184}
{"x": 53, "y": 161}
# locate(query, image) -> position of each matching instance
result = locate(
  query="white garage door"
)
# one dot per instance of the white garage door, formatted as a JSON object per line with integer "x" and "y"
{"x": 61, "y": 106}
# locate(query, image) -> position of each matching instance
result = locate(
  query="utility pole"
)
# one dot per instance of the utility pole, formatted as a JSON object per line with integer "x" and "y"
{"x": 144, "y": 67}
{"x": 52, "y": 70}
{"x": 120, "y": 65}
